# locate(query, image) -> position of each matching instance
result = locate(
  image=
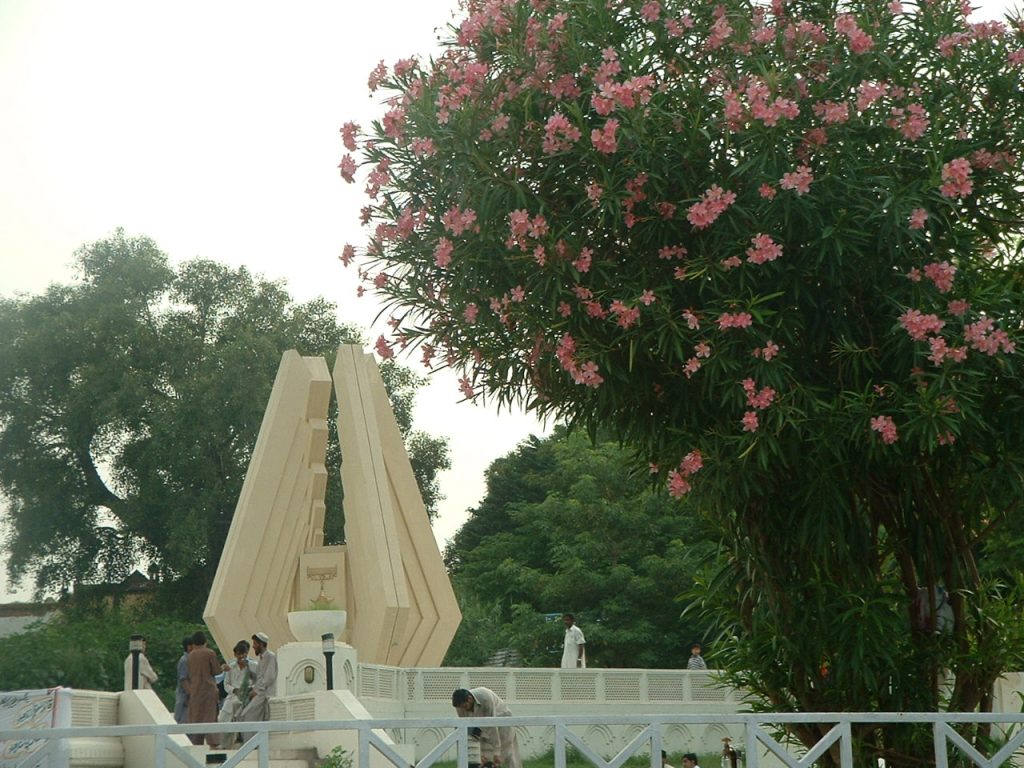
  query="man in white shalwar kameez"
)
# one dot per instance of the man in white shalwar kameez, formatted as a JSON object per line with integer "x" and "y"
{"x": 238, "y": 681}
{"x": 498, "y": 745}
{"x": 574, "y": 649}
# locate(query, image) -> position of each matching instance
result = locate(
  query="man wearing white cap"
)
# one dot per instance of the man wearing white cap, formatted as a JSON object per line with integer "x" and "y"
{"x": 265, "y": 686}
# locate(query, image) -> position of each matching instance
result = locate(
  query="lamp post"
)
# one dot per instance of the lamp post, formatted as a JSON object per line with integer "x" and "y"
{"x": 328, "y": 646}
{"x": 135, "y": 647}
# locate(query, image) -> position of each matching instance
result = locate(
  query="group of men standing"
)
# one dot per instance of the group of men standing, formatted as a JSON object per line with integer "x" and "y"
{"x": 249, "y": 684}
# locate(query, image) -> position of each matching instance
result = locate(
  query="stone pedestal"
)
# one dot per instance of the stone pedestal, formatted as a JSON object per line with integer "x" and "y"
{"x": 302, "y": 668}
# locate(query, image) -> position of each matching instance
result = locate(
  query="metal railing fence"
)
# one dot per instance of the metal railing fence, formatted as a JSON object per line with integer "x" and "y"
{"x": 757, "y": 727}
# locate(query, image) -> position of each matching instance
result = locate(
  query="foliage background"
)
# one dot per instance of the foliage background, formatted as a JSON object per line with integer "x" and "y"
{"x": 566, "y": 527}
{"x": 85, "y": 648}
{"x": 777, "y": 250}
{"x": 129, "y": 404}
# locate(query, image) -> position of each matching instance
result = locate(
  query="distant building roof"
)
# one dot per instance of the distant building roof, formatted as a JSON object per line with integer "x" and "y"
{"x": 137, "y": 582}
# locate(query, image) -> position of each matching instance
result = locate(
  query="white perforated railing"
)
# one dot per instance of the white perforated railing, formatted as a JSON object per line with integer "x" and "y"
{"x": 760, "y": 746}
{"x": 590, "y": 686}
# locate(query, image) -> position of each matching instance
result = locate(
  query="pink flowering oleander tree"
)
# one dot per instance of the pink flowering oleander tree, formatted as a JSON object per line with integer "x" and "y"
{"x": 776, "y": 248}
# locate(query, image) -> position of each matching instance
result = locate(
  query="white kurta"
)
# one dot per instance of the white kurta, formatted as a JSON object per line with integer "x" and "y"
{"x": 574, "y": 640}
{"x": 237, "y": 682}
{"x": 494, "y": 742}
{"x": 263, "y": 688}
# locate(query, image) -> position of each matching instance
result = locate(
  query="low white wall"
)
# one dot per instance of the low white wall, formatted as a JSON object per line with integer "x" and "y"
{"x": 394, "y": 693}
{"x": 423, "y": 693}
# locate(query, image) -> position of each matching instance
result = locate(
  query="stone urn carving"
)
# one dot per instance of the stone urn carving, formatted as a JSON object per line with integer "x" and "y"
{"x": 310, "y": 626}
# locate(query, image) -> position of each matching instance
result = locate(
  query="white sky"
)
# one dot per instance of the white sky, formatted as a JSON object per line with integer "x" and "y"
{"x": 212, "y": 127}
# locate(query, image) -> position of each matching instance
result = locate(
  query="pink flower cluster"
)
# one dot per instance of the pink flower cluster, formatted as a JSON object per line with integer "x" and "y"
{"x": 394, "y": 123}
{"x": 985, "y": 337}
{"x": 347, "y": 166}
{"x": 457, "y": 221}
{"x": 586, "y": 374}
{"x": 383, "y": 348}
{"x": 522, "y": 229}
{"x": 919, "y": 325}
{"x": 559, "y": 134}
{"x": 958, "y": 307}
{"x": 798, "y": 180}
{"x": 378, "y": 177}
{"x": 949, "y": 43}
{"x": 917, "y": 218}
{"x": 348, "y": 135}
{"x": 719, "y": 33}
{"x": 625, "y": 315}
{"x": 582, "y": 262}
{"x": 759, "y": 106}
{"x": 712, "y": 204}
{"x": 886, "y": 427}
{"x": 678, "y": 27}
{"x": 982, "y": 158}
{"x": 465, "y": 79}
{"x": 941, "y": 273}
{"x": 636, "y": 194}
{"x": 832, "y": 112}
{"x": 912, "y": 122}
{"x": 678, "y": 479}
{"x": 735, "y": 320}
{"x": 763, "y": 248}
{"x": 758, "y": 401}
{"x": 603, "y": 139}
{"x": 651, "y": 11}
{"x": 767, "y": 352}
{"x": 443, "y": 252}
{"x": 956, "y": 177}
{"x": 940, "y": 350}
{"x": 860, "y": 41}
{"x": 377, "y": 76}
{"x": 868, "y": 93}
{"x": 565, "y": 87}
{"x": 627, "y": 95}
{"x": 423, "y": 147}
{"x": 701, "y": 350}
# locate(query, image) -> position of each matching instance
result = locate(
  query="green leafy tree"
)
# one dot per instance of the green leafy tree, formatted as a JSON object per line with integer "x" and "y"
{"x": 77, "y": 649}
{"x": 130, "y": 402}
{"x": 776, "y": 248}
{"x": 565, "y": 527}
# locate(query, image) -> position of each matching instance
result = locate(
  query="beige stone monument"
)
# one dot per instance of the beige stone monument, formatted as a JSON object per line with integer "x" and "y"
{"x": 388, "y": 576}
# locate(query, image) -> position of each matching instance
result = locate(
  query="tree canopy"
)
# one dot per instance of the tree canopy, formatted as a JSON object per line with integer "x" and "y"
{"x": 73, "y": 649}
{"x": 130, "y": 401}
{"x": 566, "y": 528}
{"x": 776, "y": 248}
